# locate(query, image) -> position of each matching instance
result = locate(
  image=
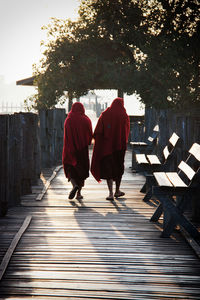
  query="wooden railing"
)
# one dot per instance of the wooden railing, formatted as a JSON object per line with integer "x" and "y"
{"x": 28, "y": 143}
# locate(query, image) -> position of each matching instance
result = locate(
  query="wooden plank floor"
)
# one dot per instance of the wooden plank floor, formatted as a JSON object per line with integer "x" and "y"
{"x": 95, "y": 249}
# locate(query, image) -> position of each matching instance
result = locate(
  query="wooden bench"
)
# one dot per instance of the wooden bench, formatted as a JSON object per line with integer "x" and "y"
{"x": 173, "y": 189}
{"x": 146, "y": 147}
{"x": 150, "y": 163}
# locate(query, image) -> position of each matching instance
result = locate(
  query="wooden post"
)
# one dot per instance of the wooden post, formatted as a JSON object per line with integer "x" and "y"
{"x": 51, "y": 136}
{"x": 4, "y": 177}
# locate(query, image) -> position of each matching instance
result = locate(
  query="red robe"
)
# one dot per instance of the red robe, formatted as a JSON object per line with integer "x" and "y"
{"x": 110, "y": 135}
{"x": 77, "y": 133}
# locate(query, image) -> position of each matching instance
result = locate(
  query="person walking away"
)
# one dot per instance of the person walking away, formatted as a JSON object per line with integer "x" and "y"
{"x": 75, "y": 156}
{"x": 110, "y": 144}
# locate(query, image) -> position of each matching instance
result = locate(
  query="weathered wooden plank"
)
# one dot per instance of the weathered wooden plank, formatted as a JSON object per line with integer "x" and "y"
{"x": 162, "y": 179}
{"x": 102, "y": 267}
{"x": 55, "y": 286}
{"x": 138, "y": 144}
{"x": 166, "y": 152}
{"x": 195, "y": 150}
{"x": 47, "y": 184}
{"x": 141, "y": 159}
{"x": 175, "y": 179}
{"x": 96, "y": 250}
{"x": 72, "y": 294}
{"x": 103, "y": 277}
{"x": 153, "y": 159}
{"x": 173, "y": 139}
{"x": 13, "y": 245}
{"x": 186, "y": 169}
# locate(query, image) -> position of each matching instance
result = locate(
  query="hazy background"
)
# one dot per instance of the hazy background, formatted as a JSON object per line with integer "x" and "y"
{"x": 20, "y": 37}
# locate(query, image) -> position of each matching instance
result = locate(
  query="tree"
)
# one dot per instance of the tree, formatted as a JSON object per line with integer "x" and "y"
{"x": 162, "y": 44}
{"x": 172, "y": 64}
{"x": 79, "y": 58}
{"x": 144, "y": 46}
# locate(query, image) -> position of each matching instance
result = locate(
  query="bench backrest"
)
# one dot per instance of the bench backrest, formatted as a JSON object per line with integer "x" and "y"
{"x": 152, "y": 138}
{"x": 189, "y": 168}
{"x": 172, "y": 143}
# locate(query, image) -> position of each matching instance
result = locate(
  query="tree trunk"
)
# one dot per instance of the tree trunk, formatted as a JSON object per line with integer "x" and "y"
{"x": 120, "y": 93}
{"x": 70, "y": 97}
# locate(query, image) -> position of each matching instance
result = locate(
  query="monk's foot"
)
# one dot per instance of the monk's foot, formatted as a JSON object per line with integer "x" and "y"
{"x": 72, "y": 202}
{"x": 110, "y": 197}
{"x": 79, "y": 197}
{"x": 119, "y": 194}
{"x": 73, "y": 192}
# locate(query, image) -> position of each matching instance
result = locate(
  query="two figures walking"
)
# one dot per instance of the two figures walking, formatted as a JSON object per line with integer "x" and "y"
{"x": 110, "y": 143}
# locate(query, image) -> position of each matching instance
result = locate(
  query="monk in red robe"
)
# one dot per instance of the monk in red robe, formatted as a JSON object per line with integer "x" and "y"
{"x": 111, "y": 137}
{"x": 75, "y": 156}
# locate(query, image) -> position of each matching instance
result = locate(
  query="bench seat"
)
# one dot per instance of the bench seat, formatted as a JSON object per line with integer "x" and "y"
{"x": 144, "y": 147}
{"x": 141, "y": 159}
{"x": 153, "y": 159}
{"x": 151, "y": 162}
{"x": 169, "y": 179}
{"x": 138, "y": 144}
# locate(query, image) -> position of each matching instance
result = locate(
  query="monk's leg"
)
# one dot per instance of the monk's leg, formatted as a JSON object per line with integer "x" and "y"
{"x": 79, "y": 195}
{"x": 110, "y": 189}
{"x": 73, "y": 182}
{"x": 118, "y": 193}
{"x": 74, "y": 189}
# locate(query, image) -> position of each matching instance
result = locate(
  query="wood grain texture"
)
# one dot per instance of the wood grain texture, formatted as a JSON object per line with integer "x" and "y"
{"x": 175, "y": 179}
{"x": 11, "y": 249}
{"x": 162, "y": 179}
{"x": 153, "y": 159}
{"x": 95, "y": 249}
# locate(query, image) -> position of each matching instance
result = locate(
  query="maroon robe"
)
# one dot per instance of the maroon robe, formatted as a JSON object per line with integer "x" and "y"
{"x": 111, "y": 137}
{"x": 77, "y": 138}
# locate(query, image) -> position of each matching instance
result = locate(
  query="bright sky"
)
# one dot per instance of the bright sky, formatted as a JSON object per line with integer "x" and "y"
{"x": 20, "y": 37}
{"x": 20, "y": 32}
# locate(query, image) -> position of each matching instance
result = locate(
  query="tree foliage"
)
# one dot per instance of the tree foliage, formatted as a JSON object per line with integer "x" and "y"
{"x": 171, "y": 71}
{"x": 147, "y": 46}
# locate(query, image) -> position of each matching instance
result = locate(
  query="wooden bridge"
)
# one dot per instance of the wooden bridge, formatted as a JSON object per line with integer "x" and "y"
{"x": 92, "y": 249}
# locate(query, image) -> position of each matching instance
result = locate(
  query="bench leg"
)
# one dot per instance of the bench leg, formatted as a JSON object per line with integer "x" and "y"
{"x": 134, "y": 163}
{"x": 148, "y": 196}
{"x": 163, "y": 197}
{"x": 169, "y": 222}
{"x": 168, "y": 229}
{"x": 179, "y": 218}
{"x": 157, "y": 213}
{"x": 150, "y": 181}
{"x": 173, "y": 216}
{"x": 143, "y": 189}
